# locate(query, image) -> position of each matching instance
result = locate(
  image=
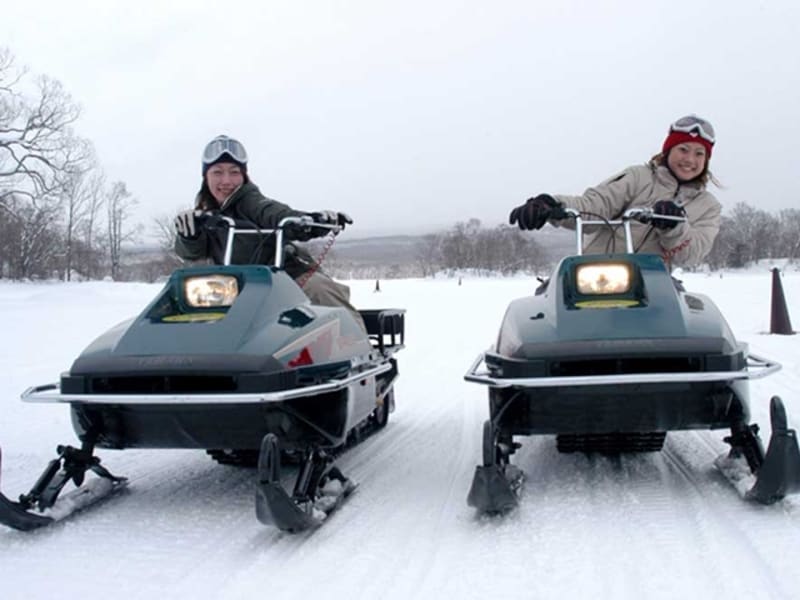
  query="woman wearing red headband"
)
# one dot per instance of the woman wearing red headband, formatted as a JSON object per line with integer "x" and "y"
{"x": 673, "y": 183}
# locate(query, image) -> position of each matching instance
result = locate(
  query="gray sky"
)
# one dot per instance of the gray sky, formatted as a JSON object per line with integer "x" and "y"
{"x": 414, "y": 115}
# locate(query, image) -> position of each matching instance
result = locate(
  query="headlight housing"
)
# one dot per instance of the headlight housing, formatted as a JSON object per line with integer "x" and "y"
{"x": 210, "y": 291}
{"x": 603, "y": 279}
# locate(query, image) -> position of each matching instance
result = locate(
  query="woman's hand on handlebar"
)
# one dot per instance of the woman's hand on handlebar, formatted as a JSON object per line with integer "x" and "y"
{"x": 673, "y": 212}
{"x": 332, "y": 217}
{"x": 536, "y": 211}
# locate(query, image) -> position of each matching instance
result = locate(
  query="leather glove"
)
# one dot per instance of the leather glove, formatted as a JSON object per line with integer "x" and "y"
{"x": 185, "y": 225}
{"x": 331, "y": 217}
{"x": 535, "y": 212}
{"x": 668, "y": 208}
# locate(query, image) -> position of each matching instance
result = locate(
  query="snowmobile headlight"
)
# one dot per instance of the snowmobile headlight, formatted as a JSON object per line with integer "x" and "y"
{"x": 603, "y": 279}
{"x": 209, "y": 291}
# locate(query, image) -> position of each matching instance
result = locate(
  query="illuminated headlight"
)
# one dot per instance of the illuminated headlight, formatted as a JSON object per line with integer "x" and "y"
{"x": 210, "y": 290}
{"x": 603, "y": 279}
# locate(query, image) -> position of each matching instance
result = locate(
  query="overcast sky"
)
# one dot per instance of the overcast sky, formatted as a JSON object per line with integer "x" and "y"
{"x": 415, "y": 115}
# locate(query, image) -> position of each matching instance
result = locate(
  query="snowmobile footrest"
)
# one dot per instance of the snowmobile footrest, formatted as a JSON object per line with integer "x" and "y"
{"x": 493, "y": 490}
{"x": 780, "y": 472}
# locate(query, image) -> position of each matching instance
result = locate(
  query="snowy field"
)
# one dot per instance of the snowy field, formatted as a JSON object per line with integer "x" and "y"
{"x": 663, "y": 525}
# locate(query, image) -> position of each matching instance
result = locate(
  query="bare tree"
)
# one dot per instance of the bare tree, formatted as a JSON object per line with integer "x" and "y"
{"x": 39, "y": 156}
{"x": 164, "y": 230}
{"x": 38, "y": 149}
{"x": 753, "y": 233}
{"x": 429, "y": 254}
{"x": 789, "y": 238}
{"x": 119, "y": 208}
{"x": 501, "y": 249}
{"x": 92, "y": 249}
{"x": 32, "y": 241}
{"x": 82, "y": 195}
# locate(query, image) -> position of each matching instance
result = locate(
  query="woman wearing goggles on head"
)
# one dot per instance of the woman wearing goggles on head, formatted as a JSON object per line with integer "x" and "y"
{"x": 673, "y": 183}
{"x": 227, "y": 190}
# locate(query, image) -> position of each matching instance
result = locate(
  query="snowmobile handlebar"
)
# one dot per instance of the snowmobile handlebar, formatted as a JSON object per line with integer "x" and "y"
{"x": 640, "y": 214}
{"x": 299, "y": 225}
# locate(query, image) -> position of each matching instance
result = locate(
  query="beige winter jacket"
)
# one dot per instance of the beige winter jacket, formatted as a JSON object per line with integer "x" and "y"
{"x": 642, "y": 186}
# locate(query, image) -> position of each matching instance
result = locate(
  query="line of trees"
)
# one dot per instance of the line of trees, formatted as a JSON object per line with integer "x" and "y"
{"x": 467, "y": 246}
{"x": 750, "y": 234}
{"x": 58, "y": 215}
{"x": 746, "y": 236}
{"x": 470, "y": 246}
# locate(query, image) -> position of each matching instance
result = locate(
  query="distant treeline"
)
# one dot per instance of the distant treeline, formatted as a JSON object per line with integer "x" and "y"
{"x": 61, "y": 219}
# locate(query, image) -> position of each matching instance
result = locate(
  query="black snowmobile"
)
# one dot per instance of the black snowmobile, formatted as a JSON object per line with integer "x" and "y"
{"x": 235, "y": 360}
{"x": 610, "y": 354}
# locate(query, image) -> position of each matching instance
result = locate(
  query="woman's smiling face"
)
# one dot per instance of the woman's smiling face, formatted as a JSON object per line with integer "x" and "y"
{"x": 687, "y": 160}
{"x": 223, "y": 179}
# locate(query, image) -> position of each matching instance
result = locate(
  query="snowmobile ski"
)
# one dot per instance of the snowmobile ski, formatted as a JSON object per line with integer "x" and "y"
{"x": 495, "y": 489}
{"x": 71, "y": 464}
{"x": 764, "y": 478}
{"x": 319, "y": 490}
{"x": 497, "y": 484}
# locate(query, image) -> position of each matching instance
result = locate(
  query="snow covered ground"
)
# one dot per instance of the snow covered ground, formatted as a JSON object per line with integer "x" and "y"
{"x": 663, "y": 525}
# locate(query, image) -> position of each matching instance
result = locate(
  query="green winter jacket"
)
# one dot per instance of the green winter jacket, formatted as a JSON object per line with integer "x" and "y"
{"x": 247, "y": 204}
{"x": 642, "y": 186}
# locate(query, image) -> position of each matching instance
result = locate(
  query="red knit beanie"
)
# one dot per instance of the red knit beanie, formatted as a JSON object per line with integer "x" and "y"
{"x": 679, "y": 137}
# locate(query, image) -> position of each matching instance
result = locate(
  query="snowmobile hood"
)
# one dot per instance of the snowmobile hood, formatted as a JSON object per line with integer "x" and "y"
{"x": 650, "y": 316}
{"x": 270, "y": 321}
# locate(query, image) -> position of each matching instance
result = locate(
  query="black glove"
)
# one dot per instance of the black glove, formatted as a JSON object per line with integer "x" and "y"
{"x": 535, "y": 212}
{"x": 185, "y": 225}
{"x": 667, "y": 208}
{"x": 331, "y": 217}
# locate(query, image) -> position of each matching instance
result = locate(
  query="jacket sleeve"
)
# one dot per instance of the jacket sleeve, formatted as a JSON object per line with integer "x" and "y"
{"x": 265, "y": 212}
{"x": 690, "y": 242}
{"x": 608, "y": 199}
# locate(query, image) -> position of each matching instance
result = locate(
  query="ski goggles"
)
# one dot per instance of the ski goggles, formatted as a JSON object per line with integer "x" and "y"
{"x": 694, "y": 124}
{"x": 224, "y": 145}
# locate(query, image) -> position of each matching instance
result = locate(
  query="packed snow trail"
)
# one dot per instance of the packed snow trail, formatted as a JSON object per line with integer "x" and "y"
{"x": 656, "y": 525}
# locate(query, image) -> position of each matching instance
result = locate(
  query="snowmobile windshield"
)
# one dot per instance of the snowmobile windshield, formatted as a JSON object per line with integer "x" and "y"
{"x": 224, "y": 145}
{"x": 694, "y": 124}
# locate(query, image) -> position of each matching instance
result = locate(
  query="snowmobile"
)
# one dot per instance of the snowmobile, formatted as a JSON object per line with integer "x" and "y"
{"x": 609, "y": 354}
{"x": 233, "y": 359}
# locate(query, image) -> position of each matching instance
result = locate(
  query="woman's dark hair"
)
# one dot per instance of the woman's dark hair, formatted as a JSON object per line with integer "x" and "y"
{"x": 205, "y": 200}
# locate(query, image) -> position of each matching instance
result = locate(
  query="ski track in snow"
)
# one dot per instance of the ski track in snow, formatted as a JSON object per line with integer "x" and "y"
{"x": 655, "y": 525}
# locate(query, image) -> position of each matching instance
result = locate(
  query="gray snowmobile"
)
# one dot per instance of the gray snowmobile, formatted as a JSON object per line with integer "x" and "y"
{"x": 610, "y": 354}
{"x": 233, "y": 359}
